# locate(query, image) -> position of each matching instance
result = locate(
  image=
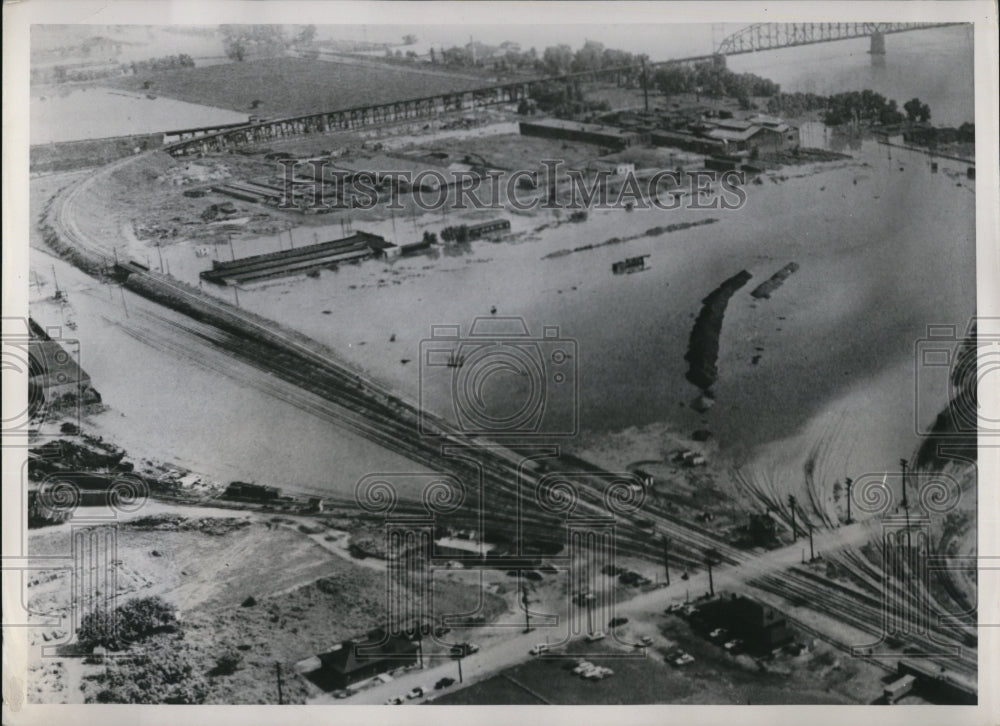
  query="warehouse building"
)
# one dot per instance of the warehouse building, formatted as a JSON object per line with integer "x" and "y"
{"x": 553, "y": 128}
{"x": 299, "y": 260}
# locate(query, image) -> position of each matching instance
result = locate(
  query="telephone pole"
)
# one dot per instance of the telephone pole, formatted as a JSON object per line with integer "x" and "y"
{"x": 812, "y": 555}
{"x": 645, "y": 89}
{"x": 791, "y": 505}
{"x": 666, "y": 557}
{"x": 277, "y": 669}
{"x": 527, "y": 613}
{"x": 903, "y": 463}
{"x": 849, "y": 481}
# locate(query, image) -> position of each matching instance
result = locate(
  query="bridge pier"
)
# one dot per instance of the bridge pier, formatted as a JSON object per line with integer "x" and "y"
{"x": 878, "y": 44}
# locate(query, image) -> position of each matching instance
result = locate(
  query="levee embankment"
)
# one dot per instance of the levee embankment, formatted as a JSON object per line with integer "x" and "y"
{"x": 69, "y": 155}
{"x": 703, "y": 346}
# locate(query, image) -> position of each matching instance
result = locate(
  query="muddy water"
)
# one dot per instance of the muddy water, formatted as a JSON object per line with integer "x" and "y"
{"x": 70, "y": 114}
{"x": 883, "y": 252}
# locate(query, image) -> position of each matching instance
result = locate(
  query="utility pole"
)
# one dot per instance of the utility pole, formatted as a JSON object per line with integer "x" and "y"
{"x": 812, "y": 555}
{"x": 710, "y": 559}
{"x": 903, "y": 463}
{"x": 277, "y": 669}
{"x": 231, "y": 250}
{"x": 666, "y": 557}
{"x": 645, "y": 89}
{"x": 124, "y": 306}
{"x": 848, "y": 481}
{"x": 791, "y": 505}
{"x": 527, "y": 613}
{"x": 459, "y": 659}
{"x": 159, "y": 253}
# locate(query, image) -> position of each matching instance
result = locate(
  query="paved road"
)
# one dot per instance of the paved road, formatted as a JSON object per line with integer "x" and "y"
{"x": 513, "y": 648}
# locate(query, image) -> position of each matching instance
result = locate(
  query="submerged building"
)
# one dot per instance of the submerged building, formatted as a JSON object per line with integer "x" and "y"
{"x": 358, "y": 246}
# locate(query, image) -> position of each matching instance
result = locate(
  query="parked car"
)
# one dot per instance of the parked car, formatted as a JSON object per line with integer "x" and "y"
{"x": 684, "y": 660}
{"x": 592, "y": 637}
{"x": 444, "y": 683}
{"x": 342, "y": 693}
{"x": 718, "y": 634}
{"x": 441, "y": 630}
{"x": 415, "y": 693}
{"x": 646, "y": 640}
{"x": 539, "y": 649}
{"x": 463, "y": 649}
{"x": 615, "y": 622}
{"x": 674, "y": 608}
{"x": 394, "y": 701}
{"x": 734, "y": 646}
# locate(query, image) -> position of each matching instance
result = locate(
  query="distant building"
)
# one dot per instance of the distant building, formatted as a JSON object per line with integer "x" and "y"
{"x": 353, "y": 661}
{"x": 298, "y": 260}
{"x": 475, "y": 231}
{"x": 553, "y": 128}
{"x": 761, "y": 627}
{"x": 252, "y": 492}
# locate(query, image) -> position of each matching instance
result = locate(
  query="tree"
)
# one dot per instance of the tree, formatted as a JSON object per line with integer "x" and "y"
{"x": 162, "y": 675}
{"x": 307, "y": 35}
{"x": 917, "y": 111}
{"x": 558, "y": 59}
{"x": 675, "y": 78}
{"x": 133, "y": 621}
{"x": 590, "y": 57}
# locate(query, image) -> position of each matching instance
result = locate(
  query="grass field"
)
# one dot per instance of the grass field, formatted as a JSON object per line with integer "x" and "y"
{"x": 295, "y": 86}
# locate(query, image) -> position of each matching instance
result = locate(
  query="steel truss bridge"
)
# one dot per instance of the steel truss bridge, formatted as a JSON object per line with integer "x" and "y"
{"x": 770, "y": 36}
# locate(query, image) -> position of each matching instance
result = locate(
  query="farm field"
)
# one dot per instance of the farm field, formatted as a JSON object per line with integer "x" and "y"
{"x": 295, "y": 86}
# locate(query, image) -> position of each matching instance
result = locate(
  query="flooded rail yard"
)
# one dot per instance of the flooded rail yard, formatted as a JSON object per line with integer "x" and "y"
{"x": 591, "y": 452}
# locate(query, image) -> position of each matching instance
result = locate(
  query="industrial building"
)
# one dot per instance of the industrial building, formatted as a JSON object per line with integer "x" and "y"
{"x": 761, "y": 627}
{"x": 358, "y": 246}
{"x": 476, "y": 231}
{"x": 353, "y": 661}
{"x": 553, "y": 128}
{"x": 762, "y": 133}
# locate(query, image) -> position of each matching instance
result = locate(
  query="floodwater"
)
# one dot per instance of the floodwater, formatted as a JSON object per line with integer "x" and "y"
{"x": 71, "y": 114}
{"x": 885, "y": 248}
